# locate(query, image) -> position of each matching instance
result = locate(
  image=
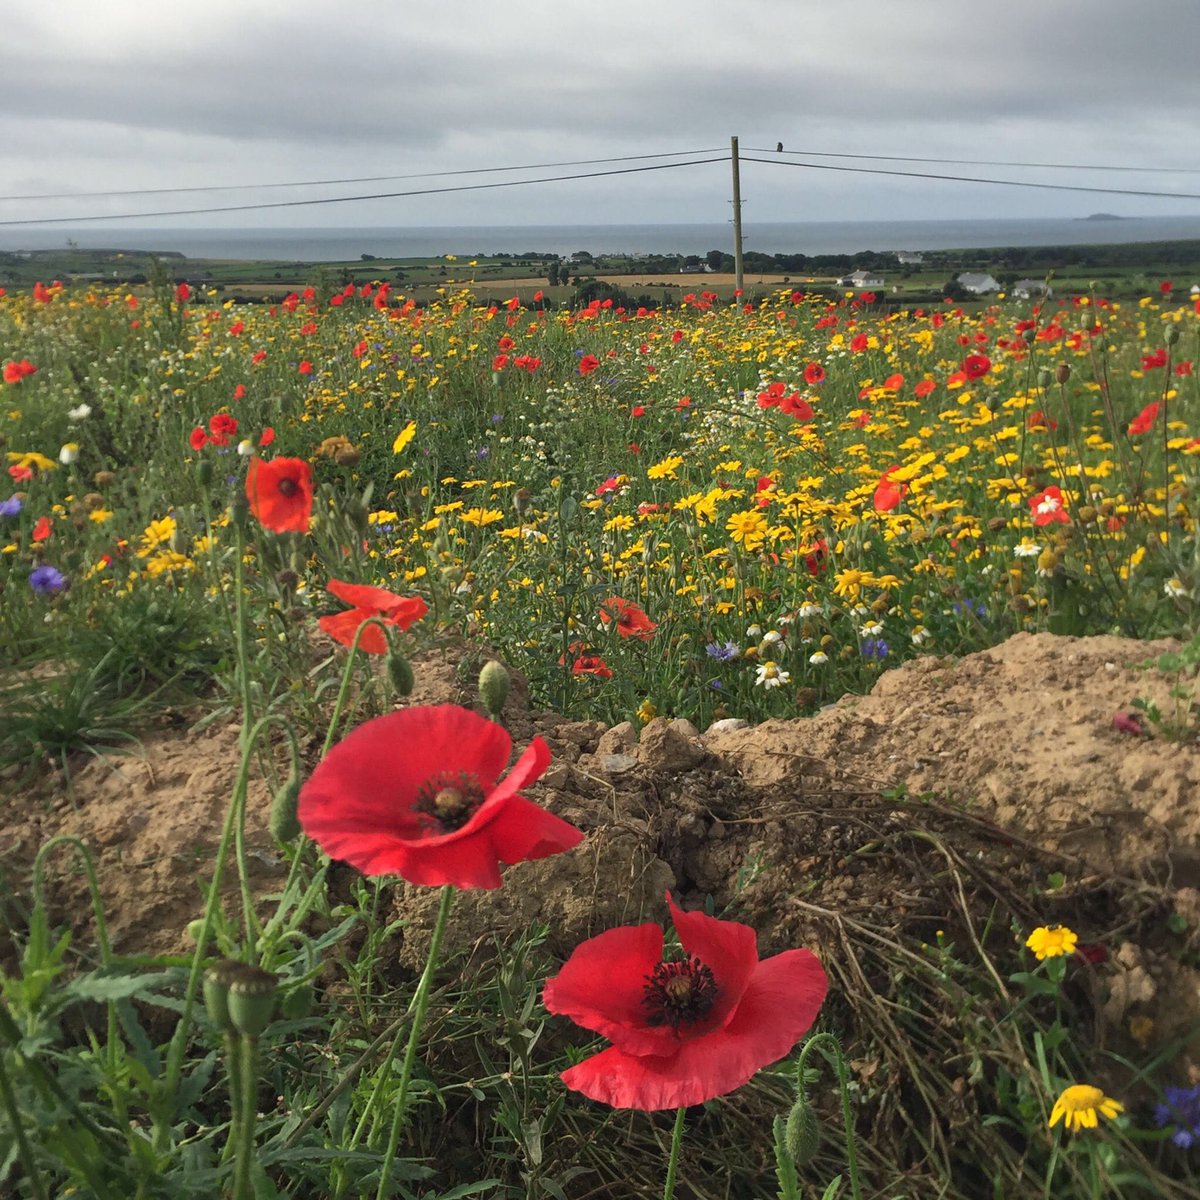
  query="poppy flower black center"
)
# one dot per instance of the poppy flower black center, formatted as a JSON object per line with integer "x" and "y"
{"x": 449, "y": 800}
{"x": 287, "y": 487}
{"x": 678, "y": 993}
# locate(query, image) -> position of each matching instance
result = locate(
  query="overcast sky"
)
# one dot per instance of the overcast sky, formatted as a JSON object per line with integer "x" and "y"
{"x": 140, "y": 94}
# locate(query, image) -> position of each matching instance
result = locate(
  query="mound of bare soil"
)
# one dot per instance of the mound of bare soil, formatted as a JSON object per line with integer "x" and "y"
{"x": 949, "y": 794}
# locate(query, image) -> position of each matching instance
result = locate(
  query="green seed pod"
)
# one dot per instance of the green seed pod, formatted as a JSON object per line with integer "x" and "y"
{"x": 297, "y": 1002}
{"x": 218, "y": 979}
{"x": 179, "y": 541}
{"x": 401, "y": 673}
{"x": 285, "y": 827}
{"x": 1171, "y": 334}
{"x": 204, "y": 472}
{"x": 494, "y": 682}
{"x": 1028, "y": 335}
{"x": 252, "y": 1000}
{"x": 803, "y": 1134}
{"x": 1045, "y": 378}
{"x": 992, "y": 403}
{"x": 193, "y": 928}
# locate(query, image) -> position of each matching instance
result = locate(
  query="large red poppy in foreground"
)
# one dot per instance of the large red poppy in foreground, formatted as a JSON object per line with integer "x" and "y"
{"x": 401, "y": 611}
{"x": 416, "y": 794}
{"x": 683, "y": 1032}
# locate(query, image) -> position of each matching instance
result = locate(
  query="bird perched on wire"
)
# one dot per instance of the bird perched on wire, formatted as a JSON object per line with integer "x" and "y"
{"x": 779, "y": 148}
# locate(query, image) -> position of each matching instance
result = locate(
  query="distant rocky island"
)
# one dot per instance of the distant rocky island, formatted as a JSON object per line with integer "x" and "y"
{"x": 1102, "y": 217}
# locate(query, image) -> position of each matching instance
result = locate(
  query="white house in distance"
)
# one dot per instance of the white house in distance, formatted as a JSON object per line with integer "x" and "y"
{"x": 1031, "y": 289}
{"x": 978, "y": 284}
{"x": 909, "y": 258}
{"x": 861, "y": 279}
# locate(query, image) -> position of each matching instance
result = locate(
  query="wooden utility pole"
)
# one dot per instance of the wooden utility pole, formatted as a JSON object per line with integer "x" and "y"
{"x": 737, "y": 213}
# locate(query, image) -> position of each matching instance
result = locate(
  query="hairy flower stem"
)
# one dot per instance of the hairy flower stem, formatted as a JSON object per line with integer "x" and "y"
{"x": 420, "y": 1005}
{"x": 347, "y": 675}
{"x": 673, "y": 1161}
{"x": 831, "y": 1048}
{"x": 247, "y": 1087}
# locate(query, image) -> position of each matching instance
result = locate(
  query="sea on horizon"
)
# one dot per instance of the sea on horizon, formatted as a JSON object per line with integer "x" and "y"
{"x": 801, "y": 237}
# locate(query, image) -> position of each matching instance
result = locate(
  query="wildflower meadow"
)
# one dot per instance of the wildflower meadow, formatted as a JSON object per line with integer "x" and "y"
{"x": 733, "y": 508}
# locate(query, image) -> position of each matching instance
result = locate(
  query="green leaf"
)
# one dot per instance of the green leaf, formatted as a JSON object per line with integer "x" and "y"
{"x": 97, "y": 986}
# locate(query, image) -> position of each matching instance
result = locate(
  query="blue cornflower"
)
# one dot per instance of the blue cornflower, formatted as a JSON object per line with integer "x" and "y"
{"x": 875, "y": 648}
{"x": 47, "y": 580}
{"x": 970, "y": 608}
{"x": 722, "y": 653}
{"x": 10, "y": 507}
{"x": 1182, "y": 1109}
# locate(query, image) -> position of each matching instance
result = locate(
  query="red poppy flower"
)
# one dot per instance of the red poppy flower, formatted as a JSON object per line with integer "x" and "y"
{"x": 305, "y": 368}
{"x": 686, "y": 1031}
{"x": 814, "y": 373}
{"x": 401, "y": 611}
{"x": 199, "y": 438}
{"x": 591, "y": 664}
{"x": 588, "y": 363}
{"x": 894, "y": 383}
{"x": 632, "y": 621}
{"x": 796, "y": 406}
{"x": 415, "y": 793}
{"x": 1165, "y": 287}
{"x": 43, "y": 529}
{"x": 499, "y": 362}
{"x": 924, "y": 387}
{"x": 1048, "y": 507}
{"x": 183, "y": 293}
{"x": 1038, "y": 420}
{"x": 976, "y": 366}
{"x": 1151, "y": 362}
{"x": 20, "y": 474}
{"x": 280, "y": 493}
{"x": 859, "y": 342}
{"x": 1144, "y": 421}
{"x": 888, "y": 494}
{"x": 258, "y": 356}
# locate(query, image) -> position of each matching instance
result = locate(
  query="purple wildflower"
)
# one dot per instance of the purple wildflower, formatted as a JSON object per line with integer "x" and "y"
{"x": 1182, "y": 1109}
{"x": 10, "y": 507}
{"x": 47, "y": 580}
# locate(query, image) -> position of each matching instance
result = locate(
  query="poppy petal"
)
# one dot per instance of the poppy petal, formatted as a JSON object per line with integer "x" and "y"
{"x": 727, "y": 948}
{"x": 522, "y": 831}
{"x": 602, "y": 988}
{"x": 361, "y": 595}
{"x": 344, "y": 625}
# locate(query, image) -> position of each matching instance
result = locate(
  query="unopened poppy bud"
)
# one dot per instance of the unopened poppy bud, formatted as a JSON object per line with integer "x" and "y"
{"x": 239, "y": 511}
{"x": 401, "y": 673}
{"x": 297, "y": 1002}
{"x": 494, "y": 682}
{"x": 204, "y": 472}
{"x": 178, "y": 541}
{"x": 1027, "y": 335}
{"x": 218, "y": 979}
{"x": 1062, "y": 372}
{"x": 252, "y": 995}
{"x": 284, "y": 824}
{"x": 1171, "y": 335}
{"x": 357, "y": 515}
{"x": 802, "y": 1135}
{"x": 1045, "y": 378}
{"x": 992, "y": 403}
{"x": 193, "y": 929}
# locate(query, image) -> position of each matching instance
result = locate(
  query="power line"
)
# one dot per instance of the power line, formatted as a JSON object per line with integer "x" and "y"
{"x": 1053, "y": 187}
{"x": 981, "y": 162}
{"x": 238, "y": 187}
{"x": 467, "y": 187}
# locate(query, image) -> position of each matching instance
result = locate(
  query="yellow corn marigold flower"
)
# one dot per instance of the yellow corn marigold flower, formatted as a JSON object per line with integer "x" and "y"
{"x": 1081, "y": 1104}
{"x": 1051, "y": 941}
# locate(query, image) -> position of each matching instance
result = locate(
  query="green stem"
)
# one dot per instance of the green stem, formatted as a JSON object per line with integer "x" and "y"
{"x": 236, "y": 805}
{"x": 831, "y": 1048}
{"x": 673, "y": 1161}
{"x": 243, "y": 1188}
{"x": 233, "y": 1073}
{"x": 239, "y": 608}
{"x": 1050, "y": 1169}
{"x": 420, "y": 1004}
{"x": 347, "y": 674}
